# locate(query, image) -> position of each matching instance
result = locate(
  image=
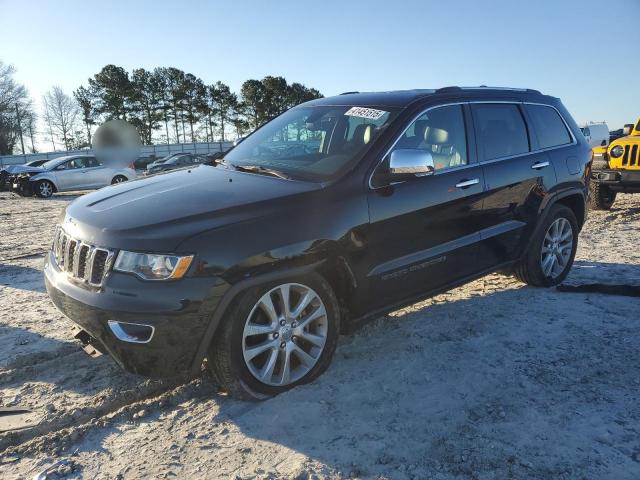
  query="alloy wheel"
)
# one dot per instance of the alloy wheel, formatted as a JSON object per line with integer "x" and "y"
{"x": 557, "y": 247}
{"x": 45, "y": 189}
{"x": 285, "y": 334}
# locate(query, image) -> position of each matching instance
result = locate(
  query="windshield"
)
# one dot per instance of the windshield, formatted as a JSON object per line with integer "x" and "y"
{"x": 312, "y": 143}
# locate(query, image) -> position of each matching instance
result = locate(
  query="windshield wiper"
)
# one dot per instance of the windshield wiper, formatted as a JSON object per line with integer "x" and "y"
{"x": 259, "y": 169}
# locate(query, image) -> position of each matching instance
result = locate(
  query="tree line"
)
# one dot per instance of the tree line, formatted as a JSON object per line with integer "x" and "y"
{"x": 166, "y": 105}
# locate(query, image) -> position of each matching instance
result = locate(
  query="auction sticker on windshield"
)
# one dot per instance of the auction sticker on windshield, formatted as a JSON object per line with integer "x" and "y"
{"x": 363, "y": 112}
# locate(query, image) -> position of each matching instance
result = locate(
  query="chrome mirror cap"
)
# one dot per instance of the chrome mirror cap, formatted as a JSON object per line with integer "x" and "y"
{"x": 411, "y": 161}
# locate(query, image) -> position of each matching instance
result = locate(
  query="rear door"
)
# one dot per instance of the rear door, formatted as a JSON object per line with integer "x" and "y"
{"x": 423, "y": 232}
{"x": 517, "y": 176}
{"x": 95, "y": 173}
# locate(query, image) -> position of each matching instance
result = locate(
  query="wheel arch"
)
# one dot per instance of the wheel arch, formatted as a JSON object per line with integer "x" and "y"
{"x": 38, "y": 178}
{"x": 573, "y": 198}
{"x": 576, "y": 202}
{"x": 119, "y": 174}
{"x": 232, "y": 292}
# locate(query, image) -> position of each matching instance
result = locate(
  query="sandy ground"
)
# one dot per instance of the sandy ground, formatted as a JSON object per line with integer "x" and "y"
{"x": 491, "y": 380}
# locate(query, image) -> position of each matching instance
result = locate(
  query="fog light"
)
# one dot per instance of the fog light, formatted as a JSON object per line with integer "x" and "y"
{"x": 131, "y": 332}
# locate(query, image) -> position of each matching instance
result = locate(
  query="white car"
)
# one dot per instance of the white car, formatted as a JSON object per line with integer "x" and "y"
{"x": 75, "y": 172}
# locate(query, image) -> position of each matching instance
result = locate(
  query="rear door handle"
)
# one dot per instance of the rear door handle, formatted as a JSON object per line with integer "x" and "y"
{"x": 467, "y": 183}
{"x": 539, "y": 165}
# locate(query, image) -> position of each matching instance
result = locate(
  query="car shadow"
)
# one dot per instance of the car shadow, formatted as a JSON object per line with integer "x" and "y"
{"x": 22, "y": 277}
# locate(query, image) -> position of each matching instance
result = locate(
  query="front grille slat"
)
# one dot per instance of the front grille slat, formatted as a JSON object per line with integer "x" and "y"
{"x": 98, "y": 266}
{"x": 70, "y": 257}
{"x": 83, "y": 253}
{"x": 634, "y": 156}
{"x": 81, "y": 261}
{"x": 625, "y": 157}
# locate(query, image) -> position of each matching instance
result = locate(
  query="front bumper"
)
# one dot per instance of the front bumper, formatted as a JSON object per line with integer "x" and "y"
{"x": 618, "y": 180}
{"x": 178, "y": 313}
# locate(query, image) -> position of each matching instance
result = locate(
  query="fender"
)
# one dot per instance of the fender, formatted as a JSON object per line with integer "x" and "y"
{"x": 44, "y": 176}
{"x": 231, "y": 293}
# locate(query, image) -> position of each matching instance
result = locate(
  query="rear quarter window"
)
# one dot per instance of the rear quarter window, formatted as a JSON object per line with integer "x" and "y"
{"x": 549, "y": 126}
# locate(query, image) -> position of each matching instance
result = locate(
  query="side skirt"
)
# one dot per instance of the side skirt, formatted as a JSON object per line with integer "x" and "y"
{"x": 350, "y": 325}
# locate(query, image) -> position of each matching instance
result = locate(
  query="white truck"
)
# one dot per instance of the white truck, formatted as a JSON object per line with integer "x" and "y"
{"x": 597, "y": 134}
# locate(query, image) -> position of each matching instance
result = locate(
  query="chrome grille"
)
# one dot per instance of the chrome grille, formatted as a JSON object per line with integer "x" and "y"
{"x": 81, "y": 261}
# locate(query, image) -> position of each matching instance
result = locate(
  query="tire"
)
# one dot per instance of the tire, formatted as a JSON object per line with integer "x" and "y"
{"x": 601, "y": 197}
{"x": 44, "y": 189}
{"x": 118, "y": 179}
{"x": 232, "y": 357}
{"x": 532, "y": 268}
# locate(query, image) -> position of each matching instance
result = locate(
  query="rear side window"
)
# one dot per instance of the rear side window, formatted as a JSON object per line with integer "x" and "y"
{"x": 500, "y": 130}
{"x": 549, "y": 127}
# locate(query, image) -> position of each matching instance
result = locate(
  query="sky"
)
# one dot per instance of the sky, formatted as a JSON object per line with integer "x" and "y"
{"x": 585, "y": 52}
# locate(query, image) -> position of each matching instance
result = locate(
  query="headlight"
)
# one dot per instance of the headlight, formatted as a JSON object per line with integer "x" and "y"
{"x": 153, "y": 267}
{"x": 617, "y": 151}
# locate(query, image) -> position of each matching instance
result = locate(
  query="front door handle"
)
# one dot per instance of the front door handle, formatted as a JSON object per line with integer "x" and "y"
{"x": 539, "y": 165}
{"x": 467, "y": 183}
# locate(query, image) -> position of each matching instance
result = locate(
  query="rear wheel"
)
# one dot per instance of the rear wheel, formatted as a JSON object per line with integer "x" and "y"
{"x": 601, "y": 196}
{"x": 276, "y": 336}
{"x": 118, "y": 179}
{"x": 552, "y": 250}
{"x": 44, "y": 189}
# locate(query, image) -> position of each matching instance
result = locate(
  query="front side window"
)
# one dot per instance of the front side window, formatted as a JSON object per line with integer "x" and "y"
{"x": 313, "y": 143}
{"x": 71, "y": 164}
{"x": 500, "y": 130}
{"x": 439, "y": 131}
{"x": 549, "y": 127}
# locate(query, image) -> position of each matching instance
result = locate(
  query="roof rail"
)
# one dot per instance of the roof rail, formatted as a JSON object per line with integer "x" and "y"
{"x": 530, "y": 90}
{"x": 485, "y": 87}
{"x": 349, "y": 93}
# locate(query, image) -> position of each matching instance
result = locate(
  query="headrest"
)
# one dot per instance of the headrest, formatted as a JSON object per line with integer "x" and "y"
{"x": 437, "y": 136}
{"x": 420, "y": 129}
{"x": 363, "y": 134}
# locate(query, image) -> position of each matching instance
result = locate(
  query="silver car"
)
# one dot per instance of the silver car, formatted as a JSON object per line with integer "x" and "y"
{"x": 75, "y": 172}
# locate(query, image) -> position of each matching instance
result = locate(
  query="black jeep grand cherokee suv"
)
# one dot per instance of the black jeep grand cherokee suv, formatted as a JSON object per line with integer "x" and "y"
{"x": 338, "y": 209}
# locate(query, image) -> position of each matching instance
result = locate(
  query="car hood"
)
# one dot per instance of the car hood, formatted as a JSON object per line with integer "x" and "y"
{"x": 157, "y": 213}
{"x": 628, "y": 140}
{"x": 15, "y": 169}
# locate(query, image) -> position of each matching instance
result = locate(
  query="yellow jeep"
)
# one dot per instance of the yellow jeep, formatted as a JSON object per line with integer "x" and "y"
{"x": 616, "y": 168}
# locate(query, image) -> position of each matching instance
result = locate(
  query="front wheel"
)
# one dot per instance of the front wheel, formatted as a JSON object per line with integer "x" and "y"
{"x": 601, "y": 197}
{"x": 118, "y": 179}
{"x": 276, "y": 336}
{"x": 44, "y": 189}
{"x": 552, "y": 250}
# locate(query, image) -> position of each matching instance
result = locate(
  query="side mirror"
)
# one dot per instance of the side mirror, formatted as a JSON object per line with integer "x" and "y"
{"x": 627, "y": 129}
{"x": 407, "y": 161}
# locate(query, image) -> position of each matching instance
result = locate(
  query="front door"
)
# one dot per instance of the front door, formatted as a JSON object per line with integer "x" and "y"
{"x": 424, "y": 231}
{"x": 71, "y": 175}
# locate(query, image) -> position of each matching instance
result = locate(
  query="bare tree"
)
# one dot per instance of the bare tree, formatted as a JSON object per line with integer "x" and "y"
{"x": 13, "y": 97}
{"x": 62, "y": 114}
